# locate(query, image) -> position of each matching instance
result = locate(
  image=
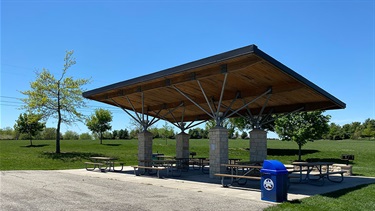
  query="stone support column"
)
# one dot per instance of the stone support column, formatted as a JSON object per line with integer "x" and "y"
{"x": 218, "y": 150}
{"x": 258, "y": 145}
{"x": 182, "y": 145}
{"x": 144, "y": 148}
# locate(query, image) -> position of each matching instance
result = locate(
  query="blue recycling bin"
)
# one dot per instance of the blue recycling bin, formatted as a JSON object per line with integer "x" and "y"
{"x": 274, "y": 181}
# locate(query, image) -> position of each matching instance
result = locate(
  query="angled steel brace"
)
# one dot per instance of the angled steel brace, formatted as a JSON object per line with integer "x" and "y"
{"x": 261, "y": 111}
{"x": 143, "y": 106}
{"x": 266, "y": 117}
{"x": 131, "y": 104}
{"x": 191, "y": 100}
{"x": 227, "y": 107}
{"x": 190, "y": 125}
{"x": 248, "y": 109}
{"x": 230, "y": 106}
{"x": 183, "y": 114}
{"x": 153, "y": 119}
{"x": 169, "y": 112}
{"x": 221, "y": 94}
{"x": 213, "y": 103}
{"x": 266, "y": 92}
{"x": 174, "y": 118}
{"x": 265, "y": 104}
{"x": 135, "y": 119}
{"x": 205, "y": 97}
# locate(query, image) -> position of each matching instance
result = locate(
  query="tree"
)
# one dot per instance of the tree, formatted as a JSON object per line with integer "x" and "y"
{"x": 236, "y": 134}
{"x": 115, "y": 134}
{"x": 302, "y": 127}
{"x": 59, "y": 98}
{"x": 133, "y": 133}
{"x": 49, "y": 133}
{"x": 100, "y": 122}
{"x": 154, "y": 131}
{"x": 368, "y": 128}
{"x": 123, "y": 134}
{"x": 226, "y": 123}
{"x": 265, "y": 122}
{"x": 166, "y": 132}
{"x": 7, "y": 133}
{"x": 355, "y": 130}
{"x": 335, "y": 132}
{"x": 29, "y": 124}
{"x": 244, "y": 135}
{"x": 71, "y": 135}
{"x": 85, "y": 136}
{"x": 195, "y": 133}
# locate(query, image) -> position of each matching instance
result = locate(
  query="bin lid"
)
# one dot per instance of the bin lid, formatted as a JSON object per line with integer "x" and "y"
{"x": 273, "y": 166}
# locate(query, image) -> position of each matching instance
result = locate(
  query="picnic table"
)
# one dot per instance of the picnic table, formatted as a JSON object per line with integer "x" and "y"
{"x": 248, "y": 162}
{"x": 103, "y": 164}
{"x": 316, "y": 172}
{"x": 238, "y": 173}
{"x": 233, "y": 160}
{"x": 152, "y": 167}
{"x": 163, "y": 157}
{"x": 202, "y": 163}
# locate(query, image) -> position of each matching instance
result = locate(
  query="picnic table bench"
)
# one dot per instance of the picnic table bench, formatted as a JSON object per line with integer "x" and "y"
{"x": 233, "y": 176}
{"x": 103, "y": 164}
{"x": 149, "y": 169}
{"x": 238, "y": 172}
{"x": 91, "y": 166}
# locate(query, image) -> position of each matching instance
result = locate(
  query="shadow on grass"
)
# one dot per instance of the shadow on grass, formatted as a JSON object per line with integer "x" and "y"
{"x": 112, "y": 145}
{"x": 35, "y": 146}
{"x": 70, "y": 156}
{"x": 281, "y": 152}
{"x": 335, "y": 194}
{"x": 339, "y": 193}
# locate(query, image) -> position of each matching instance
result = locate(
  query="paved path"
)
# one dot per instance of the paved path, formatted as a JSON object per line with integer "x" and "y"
{"x": 85, "y": 190}
{"x": 82, "y": 190}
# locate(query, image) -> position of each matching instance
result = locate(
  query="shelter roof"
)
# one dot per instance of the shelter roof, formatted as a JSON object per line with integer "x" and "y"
{"x": 224, "y": 83}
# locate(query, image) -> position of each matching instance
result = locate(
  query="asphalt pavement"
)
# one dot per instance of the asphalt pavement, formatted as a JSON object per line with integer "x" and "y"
{"x": 93, "y": 190}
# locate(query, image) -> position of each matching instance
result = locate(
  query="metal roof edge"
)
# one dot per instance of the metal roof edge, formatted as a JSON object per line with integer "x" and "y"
{"x": 177, "y": 69}
{"x": 298, "y": 77}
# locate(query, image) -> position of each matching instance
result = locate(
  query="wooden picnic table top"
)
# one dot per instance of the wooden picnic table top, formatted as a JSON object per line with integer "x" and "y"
{"x": 247, "y": 162}
{"x": 102, "y": 158}
{"x": 164, "y": 161}
{"x": 312, "y": 163}
{"x": 241, "y": 166}
{"x": 164, "y": 157}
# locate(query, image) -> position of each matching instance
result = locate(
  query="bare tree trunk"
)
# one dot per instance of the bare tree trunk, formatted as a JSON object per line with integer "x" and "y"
{"x": 101, "y": 138}
{"x": 58, "y": 135}
{"x": 299, "y": 152}
{"x": 31, "y": 139}
{"x": 59, "y": 119}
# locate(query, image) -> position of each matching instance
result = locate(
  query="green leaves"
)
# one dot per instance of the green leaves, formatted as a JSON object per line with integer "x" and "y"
{"x": 50, "y": 96}
{"x": 302, "y": 127}
{"x": 58, "y": 98}
{"x": 29, "y": 124}
{"x": 100, "y": 122}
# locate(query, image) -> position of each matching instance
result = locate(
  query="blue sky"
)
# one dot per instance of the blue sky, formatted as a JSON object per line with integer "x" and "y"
{"x": 331, "y": 43}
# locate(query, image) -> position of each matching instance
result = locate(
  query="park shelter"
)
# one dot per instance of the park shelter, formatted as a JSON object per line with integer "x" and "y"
{"x": 243, "y": 82}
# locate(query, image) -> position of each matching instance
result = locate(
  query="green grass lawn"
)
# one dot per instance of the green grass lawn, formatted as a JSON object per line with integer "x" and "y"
{"x": 18, "y": 155}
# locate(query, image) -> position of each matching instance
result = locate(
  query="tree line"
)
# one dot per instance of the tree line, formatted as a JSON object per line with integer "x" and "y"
{"x": 354, "y": 130}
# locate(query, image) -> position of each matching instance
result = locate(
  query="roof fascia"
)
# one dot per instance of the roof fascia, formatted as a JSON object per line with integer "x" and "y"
{"x": 174, "y": 70}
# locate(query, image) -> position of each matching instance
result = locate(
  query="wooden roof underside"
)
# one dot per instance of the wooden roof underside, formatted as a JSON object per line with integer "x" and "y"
{"x": 249, "y": 73}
